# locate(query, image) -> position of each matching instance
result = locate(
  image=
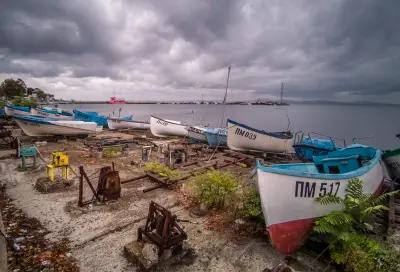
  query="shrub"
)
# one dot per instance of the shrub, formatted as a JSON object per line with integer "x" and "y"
{"x": 162, "y": 170}
{"x": 251, "y": 204}
{"x": 22, "y": 101}
{"x": 212, "y": 188}
{"x": 346, "y": 231}
{"x": 112, "y": 151}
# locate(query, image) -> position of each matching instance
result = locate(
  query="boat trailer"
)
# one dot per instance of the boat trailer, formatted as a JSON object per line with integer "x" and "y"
{"x": 162, "y": 229}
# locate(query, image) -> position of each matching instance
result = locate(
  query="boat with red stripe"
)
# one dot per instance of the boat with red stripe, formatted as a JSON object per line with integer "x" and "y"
{"x": 288, "y": 191}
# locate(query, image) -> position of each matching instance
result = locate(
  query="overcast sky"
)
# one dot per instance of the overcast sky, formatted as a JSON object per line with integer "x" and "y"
{"x": 175, "y": 50}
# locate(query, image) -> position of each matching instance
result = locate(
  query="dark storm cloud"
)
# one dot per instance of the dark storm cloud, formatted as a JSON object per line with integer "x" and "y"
{"x": 321, "y": 49}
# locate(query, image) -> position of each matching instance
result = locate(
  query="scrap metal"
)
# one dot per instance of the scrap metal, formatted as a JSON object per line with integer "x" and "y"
{"x": 108, "y": 185}
{"x": 162, "y": 229}
{"x": 7, "y": 140}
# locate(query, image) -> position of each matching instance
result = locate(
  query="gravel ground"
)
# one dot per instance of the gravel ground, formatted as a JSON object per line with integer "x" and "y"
{"x": 95, "y": 235}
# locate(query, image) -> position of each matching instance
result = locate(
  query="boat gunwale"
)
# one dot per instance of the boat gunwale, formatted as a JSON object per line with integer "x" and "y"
{"x": 55, "y": 112}
{"x": 169, "y": 121}
{"x": 19, "y": 108}
{"x": 129, "y": 121}
{"x": 314, "y": 147}
{"x": 263, "y": 132}
{"x": 391, "y": 153}
{"x": 48, "y": 122}
{"x": 323, "y": 176}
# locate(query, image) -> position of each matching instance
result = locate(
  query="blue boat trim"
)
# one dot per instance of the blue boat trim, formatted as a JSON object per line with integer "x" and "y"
{"x": 20, "y": 108}
{"x": 304, "y": 169}
{"x": 55, "y": 111}
{"x": 34, "y": 119}
{"x": 43, "y": 121}
{"x": 313, "y": 147}
{"x": 279, "y": 134}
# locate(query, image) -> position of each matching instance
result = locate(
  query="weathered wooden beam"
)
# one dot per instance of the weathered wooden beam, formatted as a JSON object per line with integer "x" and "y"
{"x": 134, "y": 178}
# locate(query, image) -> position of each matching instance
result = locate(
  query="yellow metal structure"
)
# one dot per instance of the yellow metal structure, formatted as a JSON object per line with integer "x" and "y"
{"x": 58, "y": 160}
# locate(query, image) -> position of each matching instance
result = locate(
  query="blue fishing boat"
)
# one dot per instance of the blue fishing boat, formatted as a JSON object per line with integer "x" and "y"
{"x": 2, "y": 113}
{"x": 55, "y": 113}
{"x": 90, "y": 116}
{"x": 42, "y": 126}
{"x": 308, "y": 147}
{"x": 216, "y": 136}
{"x": 13, "y": 110}
{"x": 297, "y": 185}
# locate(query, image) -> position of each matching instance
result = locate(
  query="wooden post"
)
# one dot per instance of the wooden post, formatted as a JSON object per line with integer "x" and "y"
{"x": 90, "y": 184}
{"x": 80, "y": 200}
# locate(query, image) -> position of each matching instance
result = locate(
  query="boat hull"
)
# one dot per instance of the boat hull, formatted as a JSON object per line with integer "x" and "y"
{"x": 56, "y": 128}
{"x": 164, "y": 128}
{"x": 244, "y": 138}
{"x": 197, "y": 134}
{"x": 124, "y": 124}
{"x": 392, "y": 160}
{"x": 308, "y": 147}
{"x": 289, "y": 205}
{"x": 216, "y": 139}
{"x": 15, "y": 112}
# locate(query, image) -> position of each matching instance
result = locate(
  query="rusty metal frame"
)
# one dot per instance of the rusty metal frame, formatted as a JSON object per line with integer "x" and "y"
{"x": 162, "y": 229}
{"x": 103, "y": 192}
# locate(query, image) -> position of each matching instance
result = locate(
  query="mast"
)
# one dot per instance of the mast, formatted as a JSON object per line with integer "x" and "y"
{"x": 227, "y": 85}
{"x": 282, "y": 84}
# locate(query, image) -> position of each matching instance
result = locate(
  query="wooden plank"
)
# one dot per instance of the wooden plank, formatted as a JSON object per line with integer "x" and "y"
{"x": 134, "y": 179}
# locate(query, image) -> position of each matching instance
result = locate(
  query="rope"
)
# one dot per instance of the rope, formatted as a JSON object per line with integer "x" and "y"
{"x": 223, "y": 113}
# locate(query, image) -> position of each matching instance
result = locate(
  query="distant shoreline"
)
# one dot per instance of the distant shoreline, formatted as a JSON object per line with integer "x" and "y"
{"x": 366, "y": 103}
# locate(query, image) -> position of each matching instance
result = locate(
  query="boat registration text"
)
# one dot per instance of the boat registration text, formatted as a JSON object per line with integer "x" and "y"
{"x": 307, "y": 189}
{"x": 250, "y": 135}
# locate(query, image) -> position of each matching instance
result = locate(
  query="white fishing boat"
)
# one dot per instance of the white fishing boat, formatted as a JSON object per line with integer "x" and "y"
{"x": 118, "y": 123}
{"x": 53, "y": 113}
{"x": 38, "y": 126}
{"x": 12, "y": 110}
{"x": 164, "y": 128}
{"x": 197, "y": 134}
{"x": 244, "y": 138}
{"x": 288, "y": 191}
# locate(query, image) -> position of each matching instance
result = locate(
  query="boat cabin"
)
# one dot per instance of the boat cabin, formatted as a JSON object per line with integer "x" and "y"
{"x": 338, "y": 165}
{"x": 343, "y": 160}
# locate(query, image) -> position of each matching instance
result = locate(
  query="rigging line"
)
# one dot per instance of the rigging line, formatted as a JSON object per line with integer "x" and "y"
{"x": 219, "y": 137}
{"x": 225, "y": 96}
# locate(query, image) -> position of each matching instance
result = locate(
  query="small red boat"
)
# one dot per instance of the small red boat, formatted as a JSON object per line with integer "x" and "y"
{"x": 114, "y": 100}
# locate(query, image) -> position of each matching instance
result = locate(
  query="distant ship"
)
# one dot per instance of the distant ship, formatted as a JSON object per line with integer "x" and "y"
{"x": 114, "y": 100}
